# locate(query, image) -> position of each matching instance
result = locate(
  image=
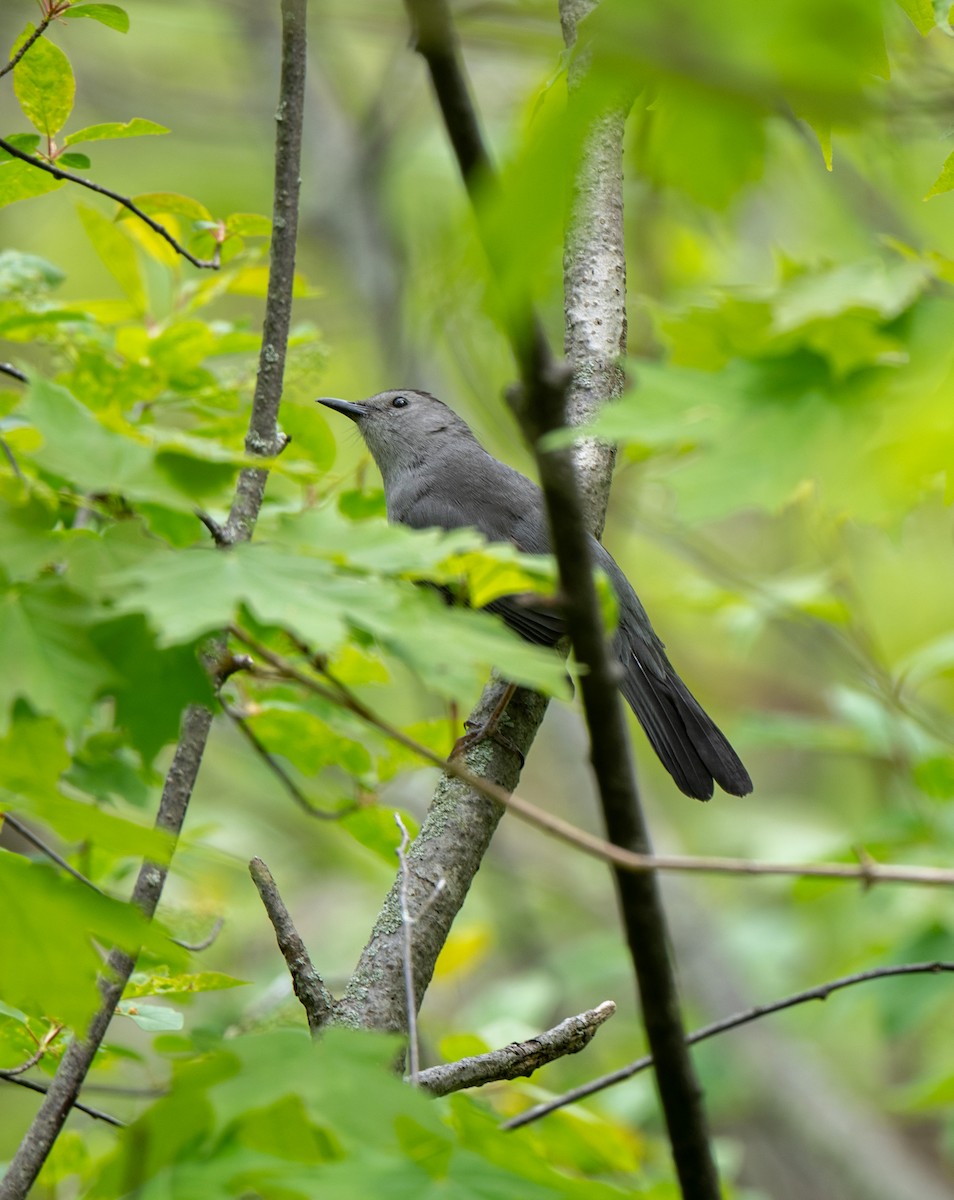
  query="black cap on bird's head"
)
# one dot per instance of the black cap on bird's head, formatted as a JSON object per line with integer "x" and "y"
{"x": 402, "y": 426}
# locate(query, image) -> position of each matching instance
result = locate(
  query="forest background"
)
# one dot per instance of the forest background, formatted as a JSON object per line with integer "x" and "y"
{"x": 781, "y": 503}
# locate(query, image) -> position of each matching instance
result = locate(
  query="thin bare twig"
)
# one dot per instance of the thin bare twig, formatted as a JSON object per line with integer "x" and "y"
{"x": 42, "y": 1088}
{"x": 42, "y": 1045}
{"x": 11, "y": 458}
{"x": 28, "y": 835}
{"x": 407, "y": 924}
{"x": 54, "y": 12}
{"x": 278, "y": 770}
{"x": 867, "y": 872}
{"x": 315, "y": 998}
{"x": 821, "y": 992}
{"x": 211, "y": 264}
{"x": 198, "y": 947}
{"x": 519, "y": 1059}
{"x": 214, "y": 527}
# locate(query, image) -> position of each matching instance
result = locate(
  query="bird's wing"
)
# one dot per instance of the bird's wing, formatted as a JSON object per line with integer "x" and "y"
{"x": 503, "y": 505}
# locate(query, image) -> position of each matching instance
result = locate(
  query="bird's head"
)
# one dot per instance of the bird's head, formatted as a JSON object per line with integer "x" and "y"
{"x": 402, "y": 428}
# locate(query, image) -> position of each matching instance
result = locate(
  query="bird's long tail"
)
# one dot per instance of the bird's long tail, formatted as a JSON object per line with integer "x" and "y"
{"x": 689, "y": 744}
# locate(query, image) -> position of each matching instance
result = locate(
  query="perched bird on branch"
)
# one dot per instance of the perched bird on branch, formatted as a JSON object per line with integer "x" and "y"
{"x": 436, "y": 473}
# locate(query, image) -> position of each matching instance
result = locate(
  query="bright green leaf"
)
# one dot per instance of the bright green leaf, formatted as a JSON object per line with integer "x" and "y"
{"x": 48, "y": 657}
{"x": 156, "y": 203}
{"x": 921, "y": 13}
{"x": 253, "y": 281}
{"x": 116, "y": 251}
{"x": 883, "y": 286}
{"x": 44, "y": 84}
{"x": 375, "y": 828}
{"x": 110, "y": 15}
{"x": 194, "y": 592}
{"x": 706, "y": 143}
{"x": 154, "y": 685}
{"x": 74, "y": 161}
{"x": 29, "y": 540}
{"x": 33, "y": 755}
{"x": 152, "y": 1017}
{"x": 282, "y": 1130}
{"x": 27, "y": 142}
{"x": 137, "y": 127}
{"x": 944, "y": 181}
{"x": 307, "y": 741}
{"x": 78, "y": 448}
{"x": 141, "y": 984}
{"x": 248, "y": 225}
{"x": 46, "y": 911}
{"x": 20, "y": 181}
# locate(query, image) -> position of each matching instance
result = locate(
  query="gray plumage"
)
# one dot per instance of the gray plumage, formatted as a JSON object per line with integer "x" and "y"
{"x": 436, "y": 473}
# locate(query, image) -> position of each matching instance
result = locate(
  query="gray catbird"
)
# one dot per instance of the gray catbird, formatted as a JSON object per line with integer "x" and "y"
{"x": 436, "y": 473}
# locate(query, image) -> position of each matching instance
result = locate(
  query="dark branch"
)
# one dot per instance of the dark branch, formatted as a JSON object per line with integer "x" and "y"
{"x": 435, "y": 40}
{"x": 212, "y": 525}
{"x": 28, "y": 835}
{"x": 125, "y": 201}
{"x": 76, "y": 1062}
{"x": 822, "y": 992}
{"x": 519, "y": 1059}
{"x": 315, "y": 998}
{"x": 264, "y": 438}
{"x": 9, "y": 369}
{"x": 37, "y": 33}
{"x": 43, "y": 1088}
{"x": 540, "y": 408}
{"x": 11, "y": 458}
{"x": 278, "y": 770}
{"x": 180, "y": 781}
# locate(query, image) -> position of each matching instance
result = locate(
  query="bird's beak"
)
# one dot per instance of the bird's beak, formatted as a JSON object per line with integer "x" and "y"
{"x": 354, "y": 411}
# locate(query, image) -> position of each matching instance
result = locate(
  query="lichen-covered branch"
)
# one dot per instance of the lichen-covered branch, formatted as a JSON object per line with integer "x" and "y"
{"x": 263, "y": 440}
{"x": 315, "y": 998}
{"x": 450, "y": 846}
{"x": 519, "y": 1059}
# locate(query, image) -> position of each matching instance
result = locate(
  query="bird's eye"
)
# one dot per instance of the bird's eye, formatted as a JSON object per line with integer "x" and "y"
{"x": 399, "y": 402}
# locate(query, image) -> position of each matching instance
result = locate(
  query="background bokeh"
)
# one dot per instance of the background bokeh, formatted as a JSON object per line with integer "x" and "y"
{"x": 781, "y": 504}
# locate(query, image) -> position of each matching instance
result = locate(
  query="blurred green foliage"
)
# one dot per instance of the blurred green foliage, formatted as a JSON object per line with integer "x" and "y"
{"x": 782, "y": 506}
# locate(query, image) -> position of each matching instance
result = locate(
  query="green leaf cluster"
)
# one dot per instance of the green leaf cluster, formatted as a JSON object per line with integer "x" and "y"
{"x": 279, "y": 1115}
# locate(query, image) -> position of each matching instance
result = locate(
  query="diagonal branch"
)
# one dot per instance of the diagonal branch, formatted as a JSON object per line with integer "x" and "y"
{"x": 28, "y": 835}
{"x": 821, "y": 992}
{"x": 519, "y": 1059}
{"x": 867, "y": 872}
{"x": 263, "y": 440}
{"x": 540, "y": 407}
{"x": 37, "y": 33}
{"x": 277, "y": 769}
{"x": 78, "y": 1058}
{"x": 315, "y": 998}
{"x": 58, "y": 173}
{"x": 42, "y": 1088}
